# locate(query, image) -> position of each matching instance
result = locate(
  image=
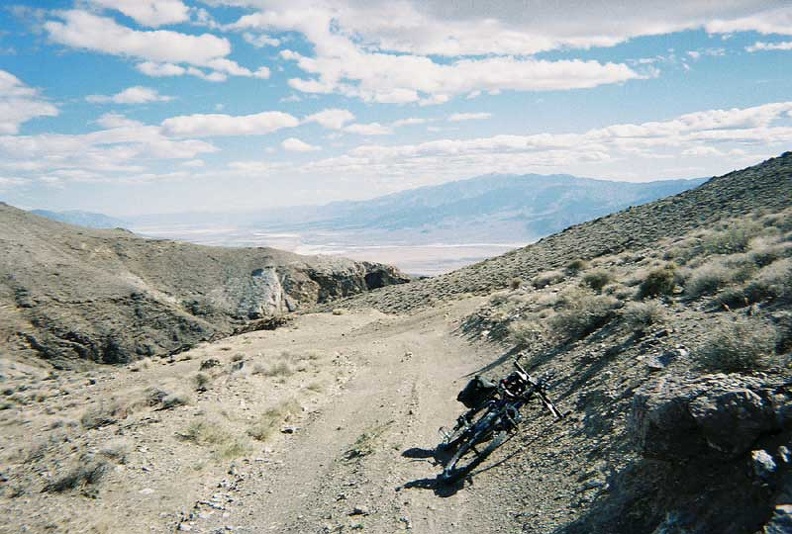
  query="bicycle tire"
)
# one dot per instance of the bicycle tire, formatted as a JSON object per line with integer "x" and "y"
{"x": 467, "y": 457}
{"x": 459, "y": 433}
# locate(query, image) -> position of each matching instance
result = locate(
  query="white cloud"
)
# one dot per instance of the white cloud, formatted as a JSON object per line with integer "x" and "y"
{"x": 769, "y": 21}
{"x": 759, "y": 46}
{"x": 251, "y": 167}
{"x": 159, "y": 51}
{"x": 157, "y": 70}
{"x": 132, "y": 95}
{"x": 746, "y": 134}
{"x": 400, "y": 79}
{"x": 116, "y": 120}
{"x": 459, "y": 117}
{"x": 20, "y": 103}
{"x": 332, "y": 119}
{"x": 224, "y": 125}
{"x": 260, "y": 40}
{"x": 123, "y": 146}
{"x": 372, "y": 128}
{"x": 292, "y": 144}
{"x": 410, "y": 121}
{"x": 149, "y": 12}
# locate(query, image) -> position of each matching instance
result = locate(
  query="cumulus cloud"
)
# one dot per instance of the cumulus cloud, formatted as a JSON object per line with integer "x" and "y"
{"x": 260, "y": 40}
{"x": 121, "y": 146}
{"x": 459, "y": 117}
{"x": 149, "y": 12}
{"x": 212, "y": 125}
{"x": 410, "y": 121}
{"x": 759, "y": 46}
{"x": 292, "y": 144}
{"x": 372, "y": 128}
{"x": 332, "y": 119}
{"x": 160, "y": 52}
{"x": 381, "y": 51}
{"x": 132, "y": 95}
{"x": 769, "y": 21}
{"x": 20, "y": 103}
{"x": 741, "y": 133}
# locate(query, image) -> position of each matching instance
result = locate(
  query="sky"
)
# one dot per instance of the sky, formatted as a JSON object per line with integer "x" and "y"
{"x": 130, "y": 107}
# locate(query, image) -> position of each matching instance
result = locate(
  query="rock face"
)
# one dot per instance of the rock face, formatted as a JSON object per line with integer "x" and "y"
{"x": 722, "y": 441}
{"x": 719, "y": 415}
{"x": 70, "y": 294}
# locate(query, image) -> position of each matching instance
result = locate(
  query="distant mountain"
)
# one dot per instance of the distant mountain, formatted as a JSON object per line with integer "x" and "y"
{"x": 82, "y": 218}
{"x": 492, "y": 207}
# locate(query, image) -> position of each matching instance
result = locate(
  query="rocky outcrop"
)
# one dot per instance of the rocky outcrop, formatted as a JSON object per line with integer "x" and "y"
{"x": 713, "y": 416}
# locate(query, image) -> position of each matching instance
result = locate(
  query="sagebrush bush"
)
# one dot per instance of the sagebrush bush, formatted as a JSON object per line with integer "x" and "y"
{"x": 707, "y": 280}
{"x": 580, "y": 313}
{"x": 547, "y": 278}
{"x": 734, "y": 238}
{"x": 637, "y": 316}
{"x": 526, "y": 332}
{"x": 271, "y": 419}
{"x": 773, "y": 282}
{"x": 739, "y": 345}
{"x": 575, "y": 266}
{"x": 659, "y": 282}
{"x": 597, "y": 279}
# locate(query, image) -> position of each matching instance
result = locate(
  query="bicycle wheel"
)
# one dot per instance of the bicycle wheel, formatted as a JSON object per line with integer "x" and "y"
{"x": 461, "y": 431}
{"x": 467, "y": 457}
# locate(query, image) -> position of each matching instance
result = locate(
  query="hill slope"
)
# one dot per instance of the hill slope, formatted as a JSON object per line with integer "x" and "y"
{"x": 68, "y": 292}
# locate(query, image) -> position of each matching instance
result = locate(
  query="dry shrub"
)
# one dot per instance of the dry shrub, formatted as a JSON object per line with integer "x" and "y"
{"x": 638, "y": 316}
{"x": 209, "y": 433}
{"x": 526, "y": 332}
{"x": 707, "y": 280}
{"x": 739, "y": 345}
{"x": 659, "y": 282}
{"x": 281, "y": 369}
{"x": 581, "y": 313}
{"x": 773, "y": 282}
{"x": 202, "y": 381}
{"x": 575, "y": 266}
{"x": 105, "y": 413}
{"x": 88, "y": 471}
{"x": 597, "y": 279}
{"x": 547, "y": 278}
{"x": 270, "y": 420}
{"x": 734, "y": 238}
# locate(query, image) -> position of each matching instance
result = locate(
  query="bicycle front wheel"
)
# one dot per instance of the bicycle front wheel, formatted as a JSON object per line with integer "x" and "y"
{"x": 474, "y": 450}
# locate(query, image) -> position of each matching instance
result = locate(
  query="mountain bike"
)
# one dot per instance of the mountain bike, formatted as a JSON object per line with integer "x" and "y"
{"x": 484, "y": 428}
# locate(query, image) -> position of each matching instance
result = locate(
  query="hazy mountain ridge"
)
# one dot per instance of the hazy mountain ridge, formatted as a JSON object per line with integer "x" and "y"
{"x": 87, "y": 219}
{"x": 533, "y": 205}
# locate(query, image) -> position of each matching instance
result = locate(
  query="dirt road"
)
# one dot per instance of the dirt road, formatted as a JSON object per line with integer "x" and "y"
{"x": 364, "y": 459}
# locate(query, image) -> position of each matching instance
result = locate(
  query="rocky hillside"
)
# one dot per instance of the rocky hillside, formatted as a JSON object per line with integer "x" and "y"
{"x": 70, "y": 293}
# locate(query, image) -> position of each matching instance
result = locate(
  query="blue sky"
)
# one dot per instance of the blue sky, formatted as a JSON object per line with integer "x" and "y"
{"x": 149, "y": 106}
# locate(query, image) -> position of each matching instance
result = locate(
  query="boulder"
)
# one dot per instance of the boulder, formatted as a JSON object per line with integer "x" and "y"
{"x": 718, "y": 416}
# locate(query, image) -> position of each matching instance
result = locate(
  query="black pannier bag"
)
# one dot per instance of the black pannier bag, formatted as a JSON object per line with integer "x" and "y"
{"x": 478, "y": 391}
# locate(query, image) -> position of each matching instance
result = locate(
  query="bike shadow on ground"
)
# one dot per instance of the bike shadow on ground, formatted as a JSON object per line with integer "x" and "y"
{"x": 437, "y": 458}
